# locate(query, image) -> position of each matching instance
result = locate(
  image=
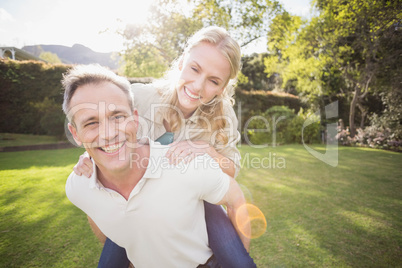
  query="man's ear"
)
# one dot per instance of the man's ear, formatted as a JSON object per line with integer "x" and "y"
{"x": 73, "y": 132}
{"x": 135, "y": 117}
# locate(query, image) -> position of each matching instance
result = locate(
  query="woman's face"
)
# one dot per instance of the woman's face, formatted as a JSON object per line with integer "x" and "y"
{"x": 204, "y": 74}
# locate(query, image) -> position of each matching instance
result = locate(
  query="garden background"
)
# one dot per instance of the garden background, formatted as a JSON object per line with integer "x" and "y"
{"x": 346, "y": 52}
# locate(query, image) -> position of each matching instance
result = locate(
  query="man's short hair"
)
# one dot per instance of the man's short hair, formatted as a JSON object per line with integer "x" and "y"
{"x": 81, "y": 75}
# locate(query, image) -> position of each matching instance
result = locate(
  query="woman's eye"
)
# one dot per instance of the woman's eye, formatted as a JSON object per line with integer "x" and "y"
{"x": 215, "y": 82}
{"x": 194, "y": 69}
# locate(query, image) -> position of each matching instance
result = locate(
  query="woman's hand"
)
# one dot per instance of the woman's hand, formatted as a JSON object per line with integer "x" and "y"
{"x": 187, "y": 150}
{"x": 84, "y": 166}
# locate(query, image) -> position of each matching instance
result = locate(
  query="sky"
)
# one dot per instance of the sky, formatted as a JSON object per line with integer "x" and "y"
{"x": 92, "y": 23}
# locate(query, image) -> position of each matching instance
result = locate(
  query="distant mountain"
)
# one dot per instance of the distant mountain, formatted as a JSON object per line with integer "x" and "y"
{"x": 77, "y": 54}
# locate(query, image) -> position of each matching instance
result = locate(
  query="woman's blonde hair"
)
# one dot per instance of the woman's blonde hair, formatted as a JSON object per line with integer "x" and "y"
{"x": 214, "y": 110}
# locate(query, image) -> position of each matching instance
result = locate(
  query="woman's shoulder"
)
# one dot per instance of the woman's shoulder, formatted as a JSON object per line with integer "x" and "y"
{"x": 143, "y": 88}
{"x": 144, "y": 93}
{"x": 228, "y": 110}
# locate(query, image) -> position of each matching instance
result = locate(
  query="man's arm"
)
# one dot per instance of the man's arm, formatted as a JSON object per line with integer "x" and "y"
{"x": 234, "y": 200}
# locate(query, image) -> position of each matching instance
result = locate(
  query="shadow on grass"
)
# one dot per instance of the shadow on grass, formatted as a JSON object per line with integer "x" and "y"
{"x": 46, "y": 158}
{"x": 39, "y": 226}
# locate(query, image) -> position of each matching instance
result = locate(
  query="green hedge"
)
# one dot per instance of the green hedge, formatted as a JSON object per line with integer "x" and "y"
{"x": 281, "y": 125}
{"x": 255, "y": 103}
{"x": 31, "y": 98}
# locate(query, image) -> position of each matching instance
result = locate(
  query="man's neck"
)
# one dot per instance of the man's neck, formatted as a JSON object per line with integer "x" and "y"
{"x": 124, "y": 182}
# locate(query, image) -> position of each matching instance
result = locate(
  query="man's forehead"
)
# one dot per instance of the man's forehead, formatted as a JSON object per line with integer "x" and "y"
{"x": 100, "y": 108}
{"x": 105, "y": 92}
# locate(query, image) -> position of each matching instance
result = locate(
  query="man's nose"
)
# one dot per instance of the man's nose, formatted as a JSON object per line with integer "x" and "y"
{"x": 108, "y": 131}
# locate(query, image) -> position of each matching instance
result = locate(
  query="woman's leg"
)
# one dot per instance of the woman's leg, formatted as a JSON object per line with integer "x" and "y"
{"x": 224, "y": 240}
{"x": 113, "y": 256}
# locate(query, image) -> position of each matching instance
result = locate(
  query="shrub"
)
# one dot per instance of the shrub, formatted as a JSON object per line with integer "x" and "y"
{"x": 280, "y": 125}
{"x": 31, "y": 97}
{"x": 371, "y": 136}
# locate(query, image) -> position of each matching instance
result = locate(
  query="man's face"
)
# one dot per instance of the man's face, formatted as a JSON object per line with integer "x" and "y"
{"x": 105, "y": 124}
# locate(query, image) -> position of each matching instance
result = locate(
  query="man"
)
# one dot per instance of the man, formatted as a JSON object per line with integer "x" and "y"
{"x": 137, "y": 199}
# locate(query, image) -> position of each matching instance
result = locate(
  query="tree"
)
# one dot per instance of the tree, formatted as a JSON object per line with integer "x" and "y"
{"x": 49, "y": 57}
{"x": 151, "y": 47}
{"x": 282, "y": 59}
{"x": 360, "y": 28}
{"x": 254, "y": 69}
{"x": 246, "y": 20}
{"x": 340, "y": 53}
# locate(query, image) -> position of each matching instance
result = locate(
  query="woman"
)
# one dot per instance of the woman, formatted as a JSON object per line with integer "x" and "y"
{"x": 192, "y": 105}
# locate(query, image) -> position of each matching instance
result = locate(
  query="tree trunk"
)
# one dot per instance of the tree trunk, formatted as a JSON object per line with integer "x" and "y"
{"x": 353, "y": 111}
{"x": 364, "y": 112}
{"x": 363, "y": 119}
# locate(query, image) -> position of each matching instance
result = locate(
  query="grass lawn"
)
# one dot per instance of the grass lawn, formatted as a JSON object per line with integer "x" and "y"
{"x": 11, "y": 139}
{"x": 317, "y": 215}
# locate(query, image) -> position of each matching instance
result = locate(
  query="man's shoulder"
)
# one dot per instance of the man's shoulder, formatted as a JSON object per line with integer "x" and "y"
{"x": 202, "y": 166}
{"x": 76, "y": 186}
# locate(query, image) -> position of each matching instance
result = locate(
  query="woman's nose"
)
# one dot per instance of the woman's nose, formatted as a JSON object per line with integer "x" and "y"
{"x": 199, "y": 84}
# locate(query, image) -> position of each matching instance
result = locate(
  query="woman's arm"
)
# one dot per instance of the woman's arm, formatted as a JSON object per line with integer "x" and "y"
{"x": 188, "y": 150}
{"x": 84, "y": 166}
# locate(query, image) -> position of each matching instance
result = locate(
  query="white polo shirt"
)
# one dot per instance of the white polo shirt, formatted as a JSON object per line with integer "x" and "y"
{"x": 162, "y": 224}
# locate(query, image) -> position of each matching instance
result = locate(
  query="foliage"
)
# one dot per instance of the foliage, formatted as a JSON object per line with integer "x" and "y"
{"x": 31, "y": 94}
{"x": 374, "y": 136}
{"x": 284, "y": 52}
{"x": 31, "y": 97}
{"x": 253, "y": 69}
{"x": 280, "y": 125}
{"x": 342, "y": 52}
{"x": 152, "y": 46}
{"x": 50, "y": 57}
{"x": 253, "y": 103}
{"x": 52, "y": 117}
{"x": 246, "y": 20}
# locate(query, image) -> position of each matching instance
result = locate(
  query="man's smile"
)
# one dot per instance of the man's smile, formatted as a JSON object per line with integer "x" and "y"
{"x": 110, "y": 149}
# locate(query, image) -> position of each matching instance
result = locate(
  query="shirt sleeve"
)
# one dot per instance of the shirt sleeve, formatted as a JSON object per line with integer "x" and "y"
{"x": 72, "y": 189}
{"x": 211, "y": 181}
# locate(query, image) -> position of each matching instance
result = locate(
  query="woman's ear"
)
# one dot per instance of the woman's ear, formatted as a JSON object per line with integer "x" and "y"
{"x": 181, "y": 60}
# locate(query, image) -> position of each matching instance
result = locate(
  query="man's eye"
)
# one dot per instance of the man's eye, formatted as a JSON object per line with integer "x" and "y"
{"x": 90, "y": 124}
{"x": 119, "y": 117}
